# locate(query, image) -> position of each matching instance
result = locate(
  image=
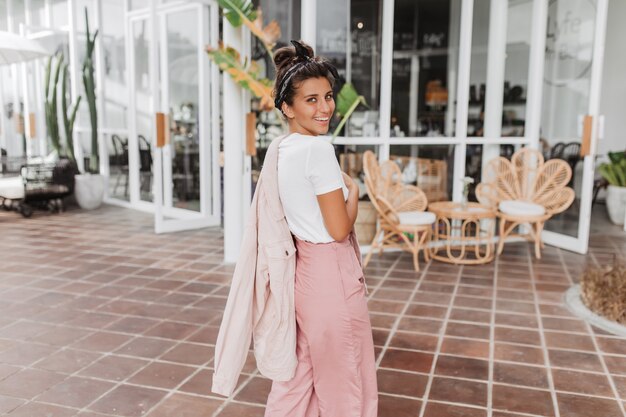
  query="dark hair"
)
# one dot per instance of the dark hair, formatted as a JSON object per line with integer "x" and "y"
{"x": 295, "y": 64}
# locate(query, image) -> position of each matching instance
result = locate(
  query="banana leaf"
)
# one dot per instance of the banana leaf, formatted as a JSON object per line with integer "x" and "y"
{"x": 246, "y": 75}
{"x": 240, "y": 12}
{"x": 615, "y": 174}
{"x": 347, "y": 101}
{"x": 617, "y": 157}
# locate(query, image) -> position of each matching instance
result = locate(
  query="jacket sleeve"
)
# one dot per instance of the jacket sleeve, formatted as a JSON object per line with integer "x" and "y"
{"x": 233, "y": 340}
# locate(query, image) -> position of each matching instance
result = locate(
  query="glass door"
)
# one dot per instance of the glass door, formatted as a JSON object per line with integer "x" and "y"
{"x": 571, "y": 94}
{"x": 175, "y": 132}
{"x": 188, "y": 164}
{"x": 139, "y": 145}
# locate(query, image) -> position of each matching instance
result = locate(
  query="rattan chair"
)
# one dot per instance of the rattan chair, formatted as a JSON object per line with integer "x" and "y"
{"x": 402, "y": 220}
{"x": 525, "y": 191}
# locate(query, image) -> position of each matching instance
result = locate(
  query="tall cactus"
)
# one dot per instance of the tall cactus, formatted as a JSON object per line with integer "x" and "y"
{"x": 68, "y": 118}
{"x": 50, "y": 103}
{"x": 90, "y": 93}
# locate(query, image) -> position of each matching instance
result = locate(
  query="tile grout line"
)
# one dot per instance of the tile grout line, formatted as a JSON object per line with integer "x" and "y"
{"x": 492, "y": 338}
{"x": 442, "y": 332}
{"x": 542, "y": 337}
{"x": 394, "y": 328}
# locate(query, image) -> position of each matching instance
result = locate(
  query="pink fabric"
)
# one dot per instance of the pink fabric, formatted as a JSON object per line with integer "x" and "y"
{"x": 336, "y": 372}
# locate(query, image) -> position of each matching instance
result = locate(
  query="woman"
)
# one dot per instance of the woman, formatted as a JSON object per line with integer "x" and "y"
{"x": 336, "y": 373}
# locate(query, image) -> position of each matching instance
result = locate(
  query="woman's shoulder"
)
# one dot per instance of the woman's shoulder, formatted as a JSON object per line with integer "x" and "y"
{"x": 320, "y": 144}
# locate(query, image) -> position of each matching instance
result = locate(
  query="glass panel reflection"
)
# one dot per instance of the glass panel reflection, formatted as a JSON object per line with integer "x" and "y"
{"x": 182, "y": 54}
{"x": 425, "y": 59}
{"x": 349, "y": 34}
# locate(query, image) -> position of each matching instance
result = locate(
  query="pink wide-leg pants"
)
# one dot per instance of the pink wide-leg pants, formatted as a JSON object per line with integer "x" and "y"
{"x": 336, "y": 373}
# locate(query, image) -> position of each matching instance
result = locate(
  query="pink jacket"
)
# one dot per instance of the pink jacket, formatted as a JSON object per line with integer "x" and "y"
{"x": 261, "y": 298}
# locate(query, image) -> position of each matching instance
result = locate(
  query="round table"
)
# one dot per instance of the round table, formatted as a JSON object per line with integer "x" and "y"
{"x": 463, "y": 233}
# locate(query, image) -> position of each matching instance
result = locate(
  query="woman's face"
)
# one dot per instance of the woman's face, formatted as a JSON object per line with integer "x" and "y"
{"x": 313, "y": 106}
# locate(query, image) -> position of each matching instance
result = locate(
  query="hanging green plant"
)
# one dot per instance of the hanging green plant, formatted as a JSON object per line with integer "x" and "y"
{"x": 242, "y": 12}
{"x": 245, "y": 74}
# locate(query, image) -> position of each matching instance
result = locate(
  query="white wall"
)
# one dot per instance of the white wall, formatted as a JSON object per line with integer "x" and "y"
{"x": 613, "y": 98}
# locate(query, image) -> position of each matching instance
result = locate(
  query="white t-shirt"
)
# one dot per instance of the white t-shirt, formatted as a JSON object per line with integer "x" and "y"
{"x": 307, "y": 167}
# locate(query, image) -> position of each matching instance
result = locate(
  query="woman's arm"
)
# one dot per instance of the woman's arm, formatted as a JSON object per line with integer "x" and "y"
{"x": 339, "y": 215}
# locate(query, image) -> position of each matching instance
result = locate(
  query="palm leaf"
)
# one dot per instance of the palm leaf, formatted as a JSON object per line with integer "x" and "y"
{"x": 241, "y": 12}
{"x": 347, "y": 101}
{"x": 236, "y": 11}
{"x": 346, "y": 98}
{"x": 229, "y": 61}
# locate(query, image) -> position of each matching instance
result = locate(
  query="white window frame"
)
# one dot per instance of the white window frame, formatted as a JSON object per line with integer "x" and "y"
{"x": 460, "y": 140}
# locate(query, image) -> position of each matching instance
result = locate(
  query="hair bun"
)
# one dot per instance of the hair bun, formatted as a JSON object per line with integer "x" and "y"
{"x": 303, "y": 51}
{"x": 287, "y": 56}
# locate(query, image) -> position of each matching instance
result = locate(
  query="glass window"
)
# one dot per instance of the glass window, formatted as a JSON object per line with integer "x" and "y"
{"x": 59, "y": 13}
{"x": 430, "y": 167}
{"x": 3, "y": 15}
{"x": 18, "y": 15}
{"x": 144, "y": 118}
{"x": 117, "y": 153}
{"x": 37, "y": 13}
{"x": 515, "y": 82}
{"x": 349, "y": 34}
{"x": 566, "y": 92}
{"x": 516, "y": 57}
{"x": 113, "y": 48}
{"x": 519, "y": 22}
{"x": 287, "y": 14}
{"x": 478, "y": 68}
{"x": 425, "y": 58}
{"x": 182, "y": 57}
{"x": 138, "y": 4}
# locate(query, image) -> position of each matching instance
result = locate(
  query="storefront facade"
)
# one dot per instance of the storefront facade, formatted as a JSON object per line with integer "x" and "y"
{"x": 450, "y": 84}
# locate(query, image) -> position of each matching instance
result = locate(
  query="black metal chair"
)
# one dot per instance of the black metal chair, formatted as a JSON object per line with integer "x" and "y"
{"x": 557, "y": 150}
{"x": 120, "y": 148}
{"x": 145, "y": 164}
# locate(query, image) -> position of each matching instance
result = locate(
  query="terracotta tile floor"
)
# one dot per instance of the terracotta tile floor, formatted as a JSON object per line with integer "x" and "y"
{"x": 101, "y": 317}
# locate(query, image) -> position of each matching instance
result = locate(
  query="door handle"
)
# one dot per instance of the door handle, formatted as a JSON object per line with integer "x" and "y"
{"x": 162, "y": 131}
{"x": 585, "y": 145}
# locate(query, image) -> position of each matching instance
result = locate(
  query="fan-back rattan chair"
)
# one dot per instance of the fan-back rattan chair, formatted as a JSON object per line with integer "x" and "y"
{"x": 402, "y": 220}
{"x": 526, "y": 190}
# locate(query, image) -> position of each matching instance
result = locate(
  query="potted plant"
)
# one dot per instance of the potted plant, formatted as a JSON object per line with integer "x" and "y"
{"x": 89, "y": 187}
{"x": 63, "y": 152}
{"x": 615, "y": 173}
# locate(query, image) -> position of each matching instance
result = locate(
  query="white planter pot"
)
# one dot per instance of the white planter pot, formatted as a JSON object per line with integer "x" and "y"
{"x": 616, "y": 203}
{"x": 89, "y": 190}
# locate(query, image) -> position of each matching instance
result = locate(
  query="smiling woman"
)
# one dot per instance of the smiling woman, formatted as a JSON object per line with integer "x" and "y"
{"x": 334, "y": 340}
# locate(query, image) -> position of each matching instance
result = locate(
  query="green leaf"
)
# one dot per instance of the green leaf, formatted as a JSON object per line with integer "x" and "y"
{"x": 616, "y": 157}
{"x": 347, "y": 101}
{"x": 346, "y": 98}
{"x": 238, "y": 10}
{"x": 229, "y": 61}
{"x": 242, "y": 12}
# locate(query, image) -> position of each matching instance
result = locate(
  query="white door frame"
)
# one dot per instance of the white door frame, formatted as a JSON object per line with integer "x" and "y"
{"x": 177, "y": 219}
{"x": 580, "y": 243}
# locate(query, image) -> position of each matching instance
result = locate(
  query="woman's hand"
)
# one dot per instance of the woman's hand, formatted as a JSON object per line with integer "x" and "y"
{"x": 350, "y": 184}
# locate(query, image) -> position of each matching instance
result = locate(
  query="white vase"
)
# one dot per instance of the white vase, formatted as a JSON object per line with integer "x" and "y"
{"x": 616, "y": 203}
{"x": 89, "y": 190}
